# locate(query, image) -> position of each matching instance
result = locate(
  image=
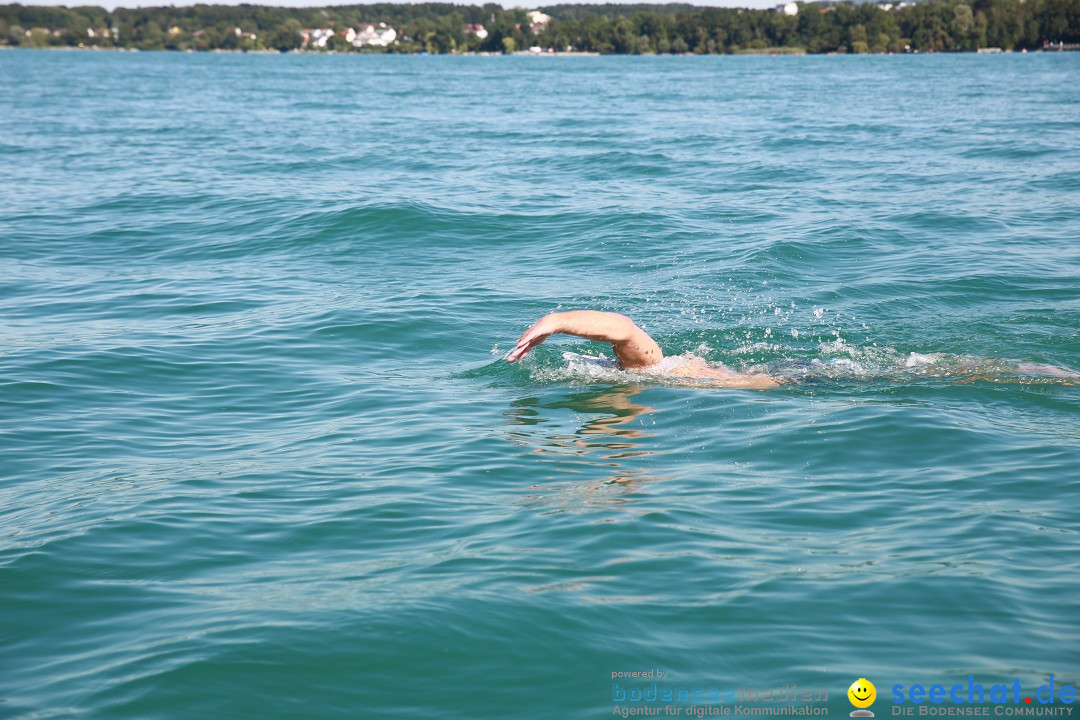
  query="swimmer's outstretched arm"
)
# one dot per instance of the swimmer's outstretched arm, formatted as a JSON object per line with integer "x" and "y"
{"x": 632, "y": 345}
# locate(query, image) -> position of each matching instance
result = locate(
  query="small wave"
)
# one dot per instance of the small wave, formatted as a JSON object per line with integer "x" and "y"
{"x": 838, "y": 360}
{"x": 833, "y": 361}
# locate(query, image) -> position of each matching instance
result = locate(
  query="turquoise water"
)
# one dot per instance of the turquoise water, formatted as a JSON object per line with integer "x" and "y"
{"x": 261, "y": 456}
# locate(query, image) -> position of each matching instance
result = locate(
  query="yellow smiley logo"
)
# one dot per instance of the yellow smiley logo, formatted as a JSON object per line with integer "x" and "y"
{"x": 862, "y": 694}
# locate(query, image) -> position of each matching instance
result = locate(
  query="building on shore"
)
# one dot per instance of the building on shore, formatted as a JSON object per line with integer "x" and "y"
{"x": 476, "y": 29}
{"x": 316, "y": 37}
{"x": 538, "y": 21}
{"x": 381, "y": 35}
{"x": 1060, "y": 46}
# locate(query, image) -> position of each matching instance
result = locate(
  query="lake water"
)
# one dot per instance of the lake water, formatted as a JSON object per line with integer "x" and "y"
{"x": 262, "y": 457}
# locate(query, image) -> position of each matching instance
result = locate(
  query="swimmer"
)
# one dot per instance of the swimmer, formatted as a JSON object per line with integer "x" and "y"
{"x": 634, "y": 348}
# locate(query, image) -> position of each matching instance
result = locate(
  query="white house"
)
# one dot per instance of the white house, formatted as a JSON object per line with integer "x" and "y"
{"x": 317, "y": 37}
{"x": 538, "y": 21}
{"x": 380, "y": 35}
{"x": 476, "y": 29}
{"x": 787, "y": 8}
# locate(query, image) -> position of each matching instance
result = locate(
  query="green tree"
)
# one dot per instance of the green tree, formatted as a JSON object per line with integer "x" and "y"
{"x": 980, "y": 29}
{"x": 857, "y": 37}
{"x": 963, "y": 23}
{"x": 286, "y": 36}
{"x": 151, "y": 37}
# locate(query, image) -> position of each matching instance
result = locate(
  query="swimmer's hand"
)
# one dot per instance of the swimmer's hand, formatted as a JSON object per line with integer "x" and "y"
{"x": 540, "y": 331}
{"x": 632, "y": 345}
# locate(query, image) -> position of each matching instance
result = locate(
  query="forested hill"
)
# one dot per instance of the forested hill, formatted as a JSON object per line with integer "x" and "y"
{"x": 615, "y": 10}
{"x": 932, "y": 25}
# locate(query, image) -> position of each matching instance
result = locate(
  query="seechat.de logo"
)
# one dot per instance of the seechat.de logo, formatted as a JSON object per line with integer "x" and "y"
{"x": 862, "y": 694}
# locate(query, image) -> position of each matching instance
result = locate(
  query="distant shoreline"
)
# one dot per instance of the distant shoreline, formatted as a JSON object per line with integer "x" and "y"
{"x": 792, "y": 27}
{"x": 315, "y": 53}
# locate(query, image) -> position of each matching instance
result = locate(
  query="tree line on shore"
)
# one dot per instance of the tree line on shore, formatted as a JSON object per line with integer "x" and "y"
{"x": 930, "y": 25}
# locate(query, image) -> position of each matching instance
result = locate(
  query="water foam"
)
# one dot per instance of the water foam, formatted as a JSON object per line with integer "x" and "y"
{"x": 835, "y": 360}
